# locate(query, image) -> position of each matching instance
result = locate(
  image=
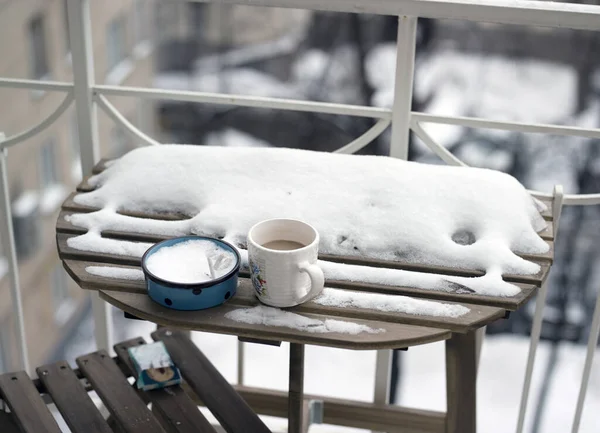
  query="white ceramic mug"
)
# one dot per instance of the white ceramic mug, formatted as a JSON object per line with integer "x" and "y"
{"x": 282, "y": 254}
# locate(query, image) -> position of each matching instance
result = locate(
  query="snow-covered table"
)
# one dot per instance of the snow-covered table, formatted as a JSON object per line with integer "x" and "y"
{"x": 400, "y": 316}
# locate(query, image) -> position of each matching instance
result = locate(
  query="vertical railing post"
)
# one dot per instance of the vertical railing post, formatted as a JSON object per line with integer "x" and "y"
{"x": 7, "y": 237}
{"x": 587, "y": 367}
{"x": 536, "y": 328}
{"x": 80, "y": 36}
{"x": 403, "y": 88}
{"x": 405, "y": 64}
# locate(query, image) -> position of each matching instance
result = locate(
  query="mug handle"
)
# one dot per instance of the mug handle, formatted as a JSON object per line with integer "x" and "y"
{"x": 317, "y": 280}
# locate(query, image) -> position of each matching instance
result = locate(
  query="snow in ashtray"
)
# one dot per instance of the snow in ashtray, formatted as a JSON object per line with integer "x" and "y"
{"x": 369, "y": 206}
{"x": 269, "y": 316}
{"x": 389, "y": 303}
{"x": 188, "y": 262}
{"x": 115, "y": 272}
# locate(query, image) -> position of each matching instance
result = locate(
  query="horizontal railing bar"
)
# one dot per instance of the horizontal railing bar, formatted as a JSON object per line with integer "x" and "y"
{"x": 449, "y": 158}
{"x": 245, "y": 101}
{"x": 118, "y": 118}
{"x": 50, "y": 86}
{"x": 520, "y": 12}
{"x": 573, "y": 199}
{"x": 474, "y": 122}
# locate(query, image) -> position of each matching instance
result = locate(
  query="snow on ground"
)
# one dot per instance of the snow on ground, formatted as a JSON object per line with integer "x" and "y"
{"x": 350, "y": 374}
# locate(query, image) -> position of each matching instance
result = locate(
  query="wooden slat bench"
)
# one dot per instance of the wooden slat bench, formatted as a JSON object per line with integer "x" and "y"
{"x": 172, "y": 409}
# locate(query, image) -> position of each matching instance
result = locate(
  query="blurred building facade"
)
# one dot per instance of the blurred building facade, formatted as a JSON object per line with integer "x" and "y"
{"x": 34, "y": 44}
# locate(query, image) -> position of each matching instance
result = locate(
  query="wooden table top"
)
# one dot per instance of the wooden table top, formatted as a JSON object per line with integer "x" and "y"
{"x": 401, "y": 330}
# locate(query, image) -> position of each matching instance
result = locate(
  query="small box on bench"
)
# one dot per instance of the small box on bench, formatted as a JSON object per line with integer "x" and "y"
{"x": 153, "y": 366}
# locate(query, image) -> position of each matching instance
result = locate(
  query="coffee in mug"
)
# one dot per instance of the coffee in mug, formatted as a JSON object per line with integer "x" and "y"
{"x": 282, "y": 255}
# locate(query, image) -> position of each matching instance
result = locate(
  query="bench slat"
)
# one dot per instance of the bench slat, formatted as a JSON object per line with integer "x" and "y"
{"x": 218, "y": 395}
{"x": 478, "y": 315}
{"x": 71, "y": 399}
{"x": 66, "y": 252}
{"x": 77, "y": 270}
{"x": 29, "y": 410}
{"x": 120, "y": 399}
{"x": 177, "y": 412}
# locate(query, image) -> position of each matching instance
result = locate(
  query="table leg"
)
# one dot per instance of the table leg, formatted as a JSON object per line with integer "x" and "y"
{"x": 461, "y": 381}
{"x": 296, "y": 409}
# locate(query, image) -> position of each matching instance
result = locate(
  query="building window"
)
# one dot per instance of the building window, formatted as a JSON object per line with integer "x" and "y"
{"x": 37, "y": 41}
{"x": 48, "y": 175}
{"x": 116, "y": 42}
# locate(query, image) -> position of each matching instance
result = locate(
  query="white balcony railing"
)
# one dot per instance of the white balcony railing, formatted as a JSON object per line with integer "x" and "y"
{"x": 86, "y": 96}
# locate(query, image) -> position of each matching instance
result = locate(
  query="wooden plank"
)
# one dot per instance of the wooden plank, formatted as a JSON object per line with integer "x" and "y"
{"x": 71, "y": 206}
{"x": 350, "y": 413}
{"x": 536, "y": 279}
{"x": 511, "y": 303}
{"x": 29, "y": 410}
{"x": 478, "y": 315}
{"x": 71, "y": 399}
{"x": 209, "y": 385}
{"x": 118, "y": 396}
{"x": 76, "y": 268}
{"x": 214, "y": 320}
{"x": 542, "y": 259}
{"x": 66, "y": 252}
{"x": 176, "y": 411}
{"x": 461, "y": 381}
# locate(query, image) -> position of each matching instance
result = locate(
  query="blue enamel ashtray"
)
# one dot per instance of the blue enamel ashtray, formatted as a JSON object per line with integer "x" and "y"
{"x": 191, "y": 272}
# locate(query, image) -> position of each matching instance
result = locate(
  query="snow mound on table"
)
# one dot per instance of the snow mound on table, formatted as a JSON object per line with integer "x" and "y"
{"x": 376, "y": 207}
{"x": 389, "y": 303}
{"x": 268, "y": 316}
{"x": 115, "y": 272}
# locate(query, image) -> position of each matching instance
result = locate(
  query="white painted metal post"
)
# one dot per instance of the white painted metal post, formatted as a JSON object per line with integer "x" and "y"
{"x": 538, "y": 317}
{"x": 587, "y": 368}
{"x": 405, "y": 65}
{"x": 8, "y": 244}
{"x": 83, "y": 80}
